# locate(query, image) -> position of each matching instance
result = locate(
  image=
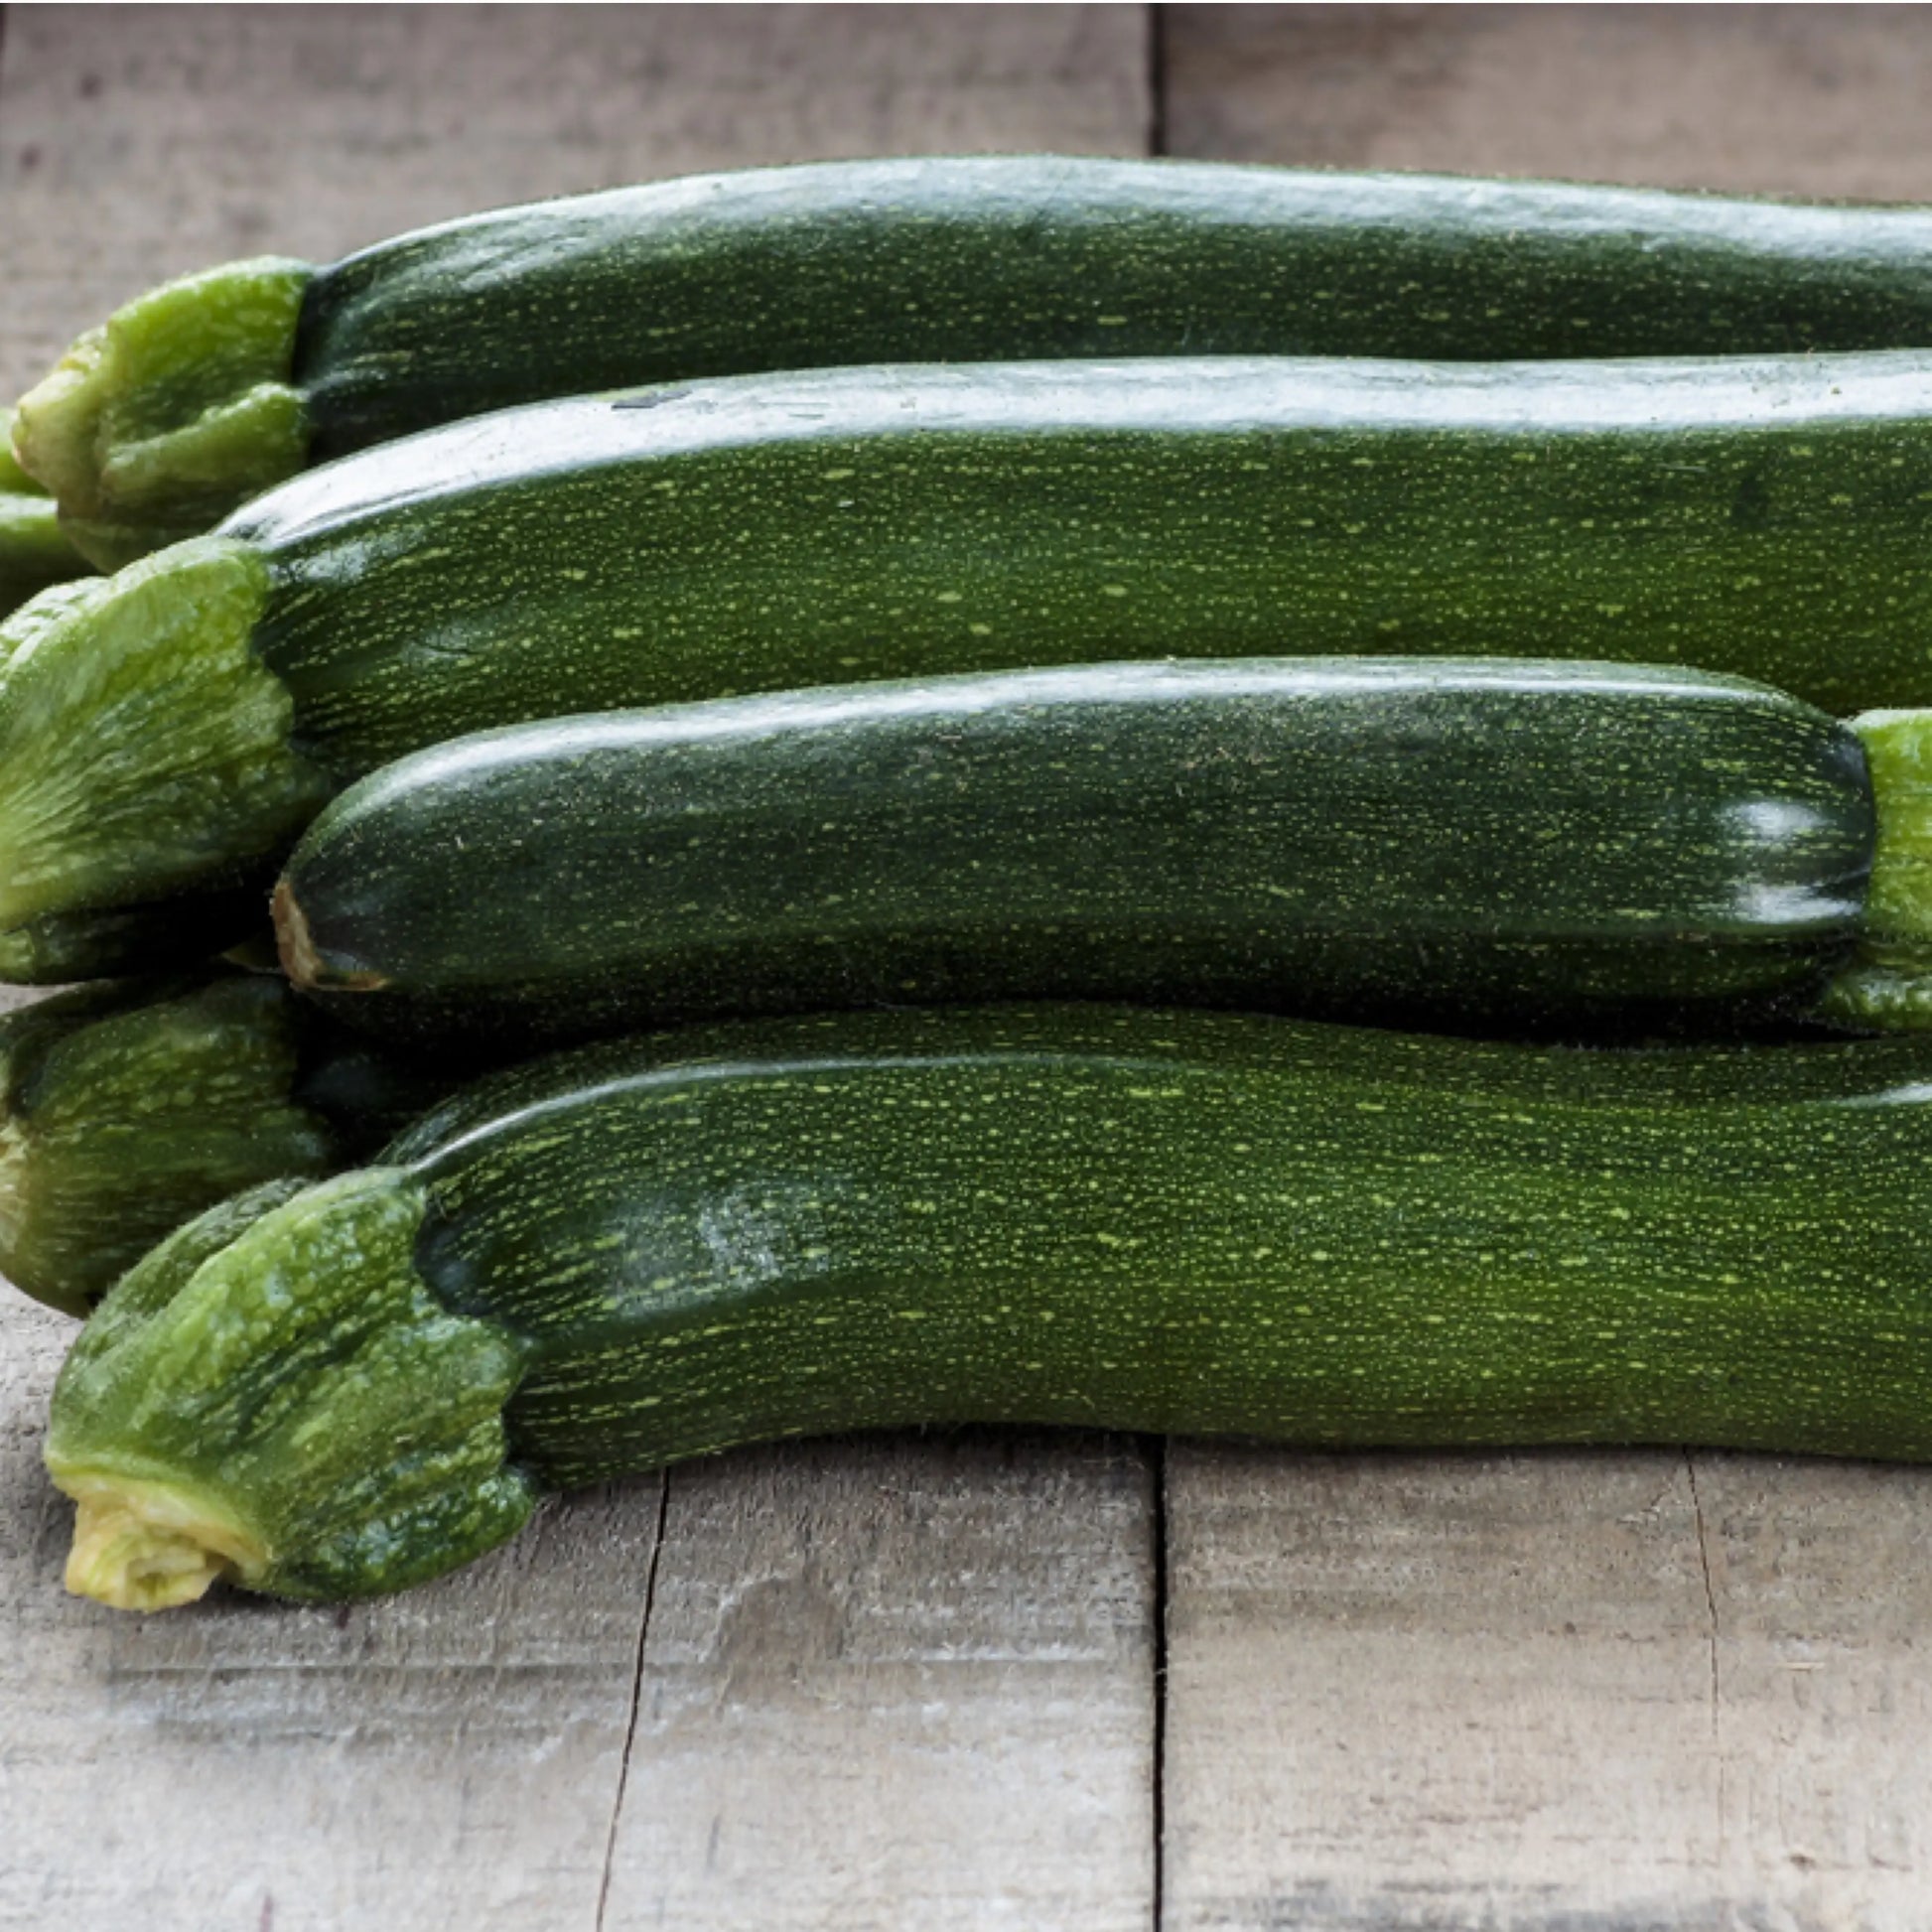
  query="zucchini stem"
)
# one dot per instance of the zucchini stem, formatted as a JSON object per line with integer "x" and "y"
{"x": 177, "y": 411}
{"x": 126, "y": 1109}
{"x": 189, "y": 779}
{"x": 34, "y": 550}
{"x": 369, "y": 1438}
{"x": 1888, "y": 985}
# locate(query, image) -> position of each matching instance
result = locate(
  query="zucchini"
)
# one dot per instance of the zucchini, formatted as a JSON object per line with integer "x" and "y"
{"x": 776, "y": 533}
{"x": 34, "y": 552}
{"x": 126, "y": 1109}
{"x": 1125, "y": 1219}
{"x": 165, "y": 936}
{"x": 201, "y": 393}
{"x": 1466, "y": 842}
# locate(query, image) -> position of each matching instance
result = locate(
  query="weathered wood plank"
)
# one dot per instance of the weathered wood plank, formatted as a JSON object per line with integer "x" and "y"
{"x": 906, "y": 1682}
{"x": 1410, "y": 1692}
{"x": 1804, "y": 101}
{"x": 1823, "y": 1610}
{"x": 898, "y": 1683}
{"x": 1594, "y": 1692}
{"x": 137, "y": 143}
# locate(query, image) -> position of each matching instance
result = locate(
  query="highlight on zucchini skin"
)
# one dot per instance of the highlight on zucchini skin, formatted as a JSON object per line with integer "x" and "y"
{"x": 210, "y": 390}
{"x": 1464, "y": 843}
{"x": 1139, "y": 1219}
{"x": 127, "y": 1108}
{"x": 1755, "y": 518}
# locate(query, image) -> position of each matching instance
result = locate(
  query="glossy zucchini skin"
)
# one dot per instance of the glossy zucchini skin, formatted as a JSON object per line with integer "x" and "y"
{"x": 775, "y": 532}
{"x": 205, "y": 391}
{"x": 1467, "y": 841}
{"x": 998, "y": 259}
{"x": 1124, "y": 1218}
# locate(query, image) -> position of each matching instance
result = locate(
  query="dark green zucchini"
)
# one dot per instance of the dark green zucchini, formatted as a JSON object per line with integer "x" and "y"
{"x": 127, "y": 1108}
{"x": 1465, "y": 842}
{"x": 1131, "y": 1219}
{"x": 201, "y": 393}
{"x": 775, "y": 532}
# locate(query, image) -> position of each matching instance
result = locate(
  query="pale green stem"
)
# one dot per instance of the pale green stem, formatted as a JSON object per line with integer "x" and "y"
{"x": 177, "y": 411}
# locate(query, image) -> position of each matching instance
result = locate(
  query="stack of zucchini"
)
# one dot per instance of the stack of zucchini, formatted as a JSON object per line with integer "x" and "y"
{"x": 1184, "y": 797}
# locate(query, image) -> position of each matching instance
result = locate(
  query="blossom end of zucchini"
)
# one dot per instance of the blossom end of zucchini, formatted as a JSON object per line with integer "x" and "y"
{"x": 1886, "y": 987}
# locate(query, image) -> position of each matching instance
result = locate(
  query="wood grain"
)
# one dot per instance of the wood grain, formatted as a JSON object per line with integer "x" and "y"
{"x": 138, "y": 143}
{"x": 1596, "y": 1693}
{"x": 1801, "y": 100}
{"x": 898, "y": 1683}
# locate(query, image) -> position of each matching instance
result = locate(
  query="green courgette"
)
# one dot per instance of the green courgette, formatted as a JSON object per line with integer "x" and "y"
{"x": 775, "y": 532}
{"x": 34, "y": 551}
{"x": 127, "y": 1108}
{"x": 205, "y": 391}
{"x": 1126, "y": 1218}
{"x": 1466, "y": 842}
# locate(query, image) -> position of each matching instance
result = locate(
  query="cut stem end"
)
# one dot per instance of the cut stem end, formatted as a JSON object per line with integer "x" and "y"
{"x": 141, "y": 1545}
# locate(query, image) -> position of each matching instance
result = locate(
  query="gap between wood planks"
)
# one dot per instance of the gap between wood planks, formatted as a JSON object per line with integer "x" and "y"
{"x": 1156, "y": 79}
{"x": 636, "y": 1696}
{"x": 1716, "y": 1680}
{"x": 1156, "y": 1449}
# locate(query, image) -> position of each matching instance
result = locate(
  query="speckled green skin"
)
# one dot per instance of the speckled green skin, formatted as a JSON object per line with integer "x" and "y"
{"x": 772, "y": 533}
{"x": 1472, "y": 841}
{"x": 207, "y": 390}
{"x": 127, "y": 1108}
{"x": 1003, "y": 257}
{"x": 1131, "y": 1219}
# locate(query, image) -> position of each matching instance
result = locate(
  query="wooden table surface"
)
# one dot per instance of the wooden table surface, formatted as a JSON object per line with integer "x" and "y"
{"x": 997, "y": 1678}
